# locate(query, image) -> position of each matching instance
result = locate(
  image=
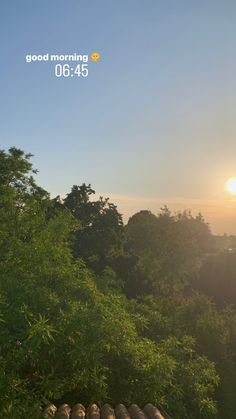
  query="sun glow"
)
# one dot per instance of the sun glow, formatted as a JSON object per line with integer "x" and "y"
{"x": 230, "y": 186}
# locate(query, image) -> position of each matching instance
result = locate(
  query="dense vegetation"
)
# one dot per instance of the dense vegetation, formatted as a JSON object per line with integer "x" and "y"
{"x": 95, "y": 310}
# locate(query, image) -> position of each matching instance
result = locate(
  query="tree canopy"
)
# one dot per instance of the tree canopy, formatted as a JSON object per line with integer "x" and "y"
{"x": 94, "y": 309}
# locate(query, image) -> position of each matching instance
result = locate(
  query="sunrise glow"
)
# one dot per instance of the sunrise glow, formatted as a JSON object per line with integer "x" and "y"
{"x": 230, "y": 186}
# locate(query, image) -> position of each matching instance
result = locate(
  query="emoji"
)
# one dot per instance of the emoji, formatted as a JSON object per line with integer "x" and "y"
{"x": 95, "y": 56}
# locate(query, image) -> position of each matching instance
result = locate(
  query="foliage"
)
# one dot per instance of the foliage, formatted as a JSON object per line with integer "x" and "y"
{"x": 92, "y": 310}
{"x": 98, "y": 240}
{"x": 217, "y": 277}
{"x": 169, "y": 250}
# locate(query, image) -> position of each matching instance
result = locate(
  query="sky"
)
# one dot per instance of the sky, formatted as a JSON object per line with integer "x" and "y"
{"x": 154, "y": 122}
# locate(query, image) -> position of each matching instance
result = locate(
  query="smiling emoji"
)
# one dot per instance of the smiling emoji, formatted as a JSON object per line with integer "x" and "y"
{"x": 95, "y": 56}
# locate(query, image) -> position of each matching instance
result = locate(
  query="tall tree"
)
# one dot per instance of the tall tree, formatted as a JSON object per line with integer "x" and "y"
{"x": 99, "y": 238}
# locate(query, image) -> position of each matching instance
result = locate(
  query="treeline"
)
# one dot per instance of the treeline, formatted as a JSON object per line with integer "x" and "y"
{"x": 95, "y": 310}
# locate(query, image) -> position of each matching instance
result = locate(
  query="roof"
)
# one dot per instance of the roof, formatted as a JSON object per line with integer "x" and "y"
{"x": 78, "y": 411}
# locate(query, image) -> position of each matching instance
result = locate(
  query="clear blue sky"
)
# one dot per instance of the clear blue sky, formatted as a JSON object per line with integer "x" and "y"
{"x": 156, "y": 117}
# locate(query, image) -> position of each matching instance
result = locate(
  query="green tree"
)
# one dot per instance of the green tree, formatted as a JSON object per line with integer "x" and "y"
{"x": 217, "y": 278}
{"x": 67, "y": 333}
{"x": 169, "y": 250}
{"x": 99, "y": 239}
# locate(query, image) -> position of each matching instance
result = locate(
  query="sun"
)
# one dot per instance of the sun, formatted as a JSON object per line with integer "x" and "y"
{"x": 230, "y": 185}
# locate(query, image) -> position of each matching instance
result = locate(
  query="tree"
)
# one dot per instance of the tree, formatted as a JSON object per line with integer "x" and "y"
{"x": 218, "y": 278}
{"x": 64, "y": 337}
{"x": 99, "y": 239}
{"x": 169, "y": 250}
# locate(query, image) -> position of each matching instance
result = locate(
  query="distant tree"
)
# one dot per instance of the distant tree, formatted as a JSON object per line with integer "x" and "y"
{"x": 98, "y": 240}
{"x": 169, "y": 250}
{"x": 218, "y": 278}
